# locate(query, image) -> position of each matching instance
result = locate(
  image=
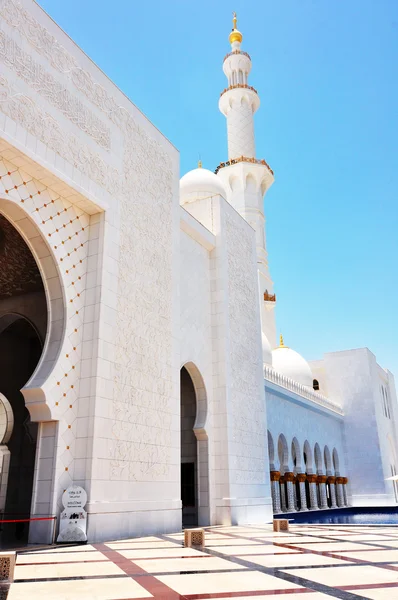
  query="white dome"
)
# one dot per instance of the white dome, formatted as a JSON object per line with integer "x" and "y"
{"x": 267, "y": 352}
{"x": 200, "y": 183}
{"x": 291, "y": 364}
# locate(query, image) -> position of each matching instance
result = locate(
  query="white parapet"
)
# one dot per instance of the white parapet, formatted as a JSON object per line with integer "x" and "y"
{"x": 271, "y": 375}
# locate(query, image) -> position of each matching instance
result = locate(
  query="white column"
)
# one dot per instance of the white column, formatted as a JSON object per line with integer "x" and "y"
{"x": 282, "y": 489}
{"x": 303, "y": 496}
{"x": 275, "y": 492}
{"x": 332, "y": 487}
{"x": 345, "y": 491}
{"x": 339, "y": 490}
{"x": 322, "y": 489}
{"x": 240, "y": 125}
{"x": 290, "y": 492}
{"x": 5, "y": 456}
{"x": 296, "y": 495}
{"x": 313, "y": 492}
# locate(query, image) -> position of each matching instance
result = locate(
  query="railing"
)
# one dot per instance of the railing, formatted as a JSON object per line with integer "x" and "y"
{"x": 236, "y": 52}
{"x": 239, "y": 85}
{"x": 29, "y": 520}
{"x": 233, "y": 161}
{"x": 289, "y": 384}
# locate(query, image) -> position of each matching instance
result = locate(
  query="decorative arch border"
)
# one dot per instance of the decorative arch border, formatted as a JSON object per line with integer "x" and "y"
{"x": 33, "y": 391}
{"x": 307, "y": 450}
{"x": 318, "y": 459}
{"x": 296, "y": 447}
{"x": 54, "y": 220}
{"x": 336, "y": 462}
{"x": 271, "y": 451}
{"x": 200, "y": 432}
{"x": 284, "y": 459}
{"x": 328, "y": 461}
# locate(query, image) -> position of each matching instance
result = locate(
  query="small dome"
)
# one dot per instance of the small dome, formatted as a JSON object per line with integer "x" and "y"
{"x": 291, "y": 364}
{"x": 267, "y": 352}
{"x": 200, "y": 183}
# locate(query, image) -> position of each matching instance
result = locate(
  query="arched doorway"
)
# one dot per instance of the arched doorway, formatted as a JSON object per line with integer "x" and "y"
{"x": 21, "y": 343}
{"x": 194, "y": 449}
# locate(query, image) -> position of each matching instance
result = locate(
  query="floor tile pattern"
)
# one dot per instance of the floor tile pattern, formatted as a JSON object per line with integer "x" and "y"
{"x": 238, "y": 563}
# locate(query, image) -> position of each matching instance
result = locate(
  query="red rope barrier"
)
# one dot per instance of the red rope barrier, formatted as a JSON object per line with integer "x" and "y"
{"x": 26, "y": 520}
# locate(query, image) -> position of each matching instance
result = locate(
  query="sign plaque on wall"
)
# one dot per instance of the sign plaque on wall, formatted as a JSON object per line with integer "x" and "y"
{"x": 73, "y": 521}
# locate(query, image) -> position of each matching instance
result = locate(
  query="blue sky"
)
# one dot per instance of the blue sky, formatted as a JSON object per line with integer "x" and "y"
{"x": 326, "y": 73}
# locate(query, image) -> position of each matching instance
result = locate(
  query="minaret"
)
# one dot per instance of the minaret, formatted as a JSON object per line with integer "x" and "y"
{"x": 247, "y": 178}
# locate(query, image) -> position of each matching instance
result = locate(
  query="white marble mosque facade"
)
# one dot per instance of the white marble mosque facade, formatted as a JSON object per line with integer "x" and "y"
{"x": 144, "y": 275}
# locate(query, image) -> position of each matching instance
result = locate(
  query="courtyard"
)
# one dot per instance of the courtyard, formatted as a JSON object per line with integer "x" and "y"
{"x": 306, "y": 563}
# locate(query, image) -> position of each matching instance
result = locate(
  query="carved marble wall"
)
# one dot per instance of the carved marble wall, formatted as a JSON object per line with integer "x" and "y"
{"x": 58, "y": 234}
{"x": 248, "y": 426}
{"x": 92, "y": 151}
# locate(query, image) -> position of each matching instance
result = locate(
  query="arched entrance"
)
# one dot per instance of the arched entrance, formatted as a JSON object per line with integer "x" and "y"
{"x": 21, "y": 343}
{"x": 194, "y": 449}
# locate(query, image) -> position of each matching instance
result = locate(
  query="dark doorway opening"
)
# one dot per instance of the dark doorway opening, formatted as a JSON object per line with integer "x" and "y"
{"x": 189, "y": 452}
{"x": 20, "y": 351}
{"x": 23, "y": 325}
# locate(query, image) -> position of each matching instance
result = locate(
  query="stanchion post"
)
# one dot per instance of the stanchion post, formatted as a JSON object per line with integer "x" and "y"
{"x": 54, "y": 530}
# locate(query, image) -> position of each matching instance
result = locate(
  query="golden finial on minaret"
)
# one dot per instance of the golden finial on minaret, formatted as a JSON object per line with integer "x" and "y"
{"x": 199, "y": 164}
{"x": 281, "y": 344}
{"x": 235, "y": 35}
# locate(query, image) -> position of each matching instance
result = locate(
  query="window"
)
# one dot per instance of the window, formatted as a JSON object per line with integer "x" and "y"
{"x": 386, "y": 402}
{"x": 315, "y": 384}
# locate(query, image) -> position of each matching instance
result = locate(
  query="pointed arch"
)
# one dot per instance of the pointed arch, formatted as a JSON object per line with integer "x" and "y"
{"x": 271, "y": 451}
{"x": 307, "y": 457}
{"x": 336, "y": 462}
{"x": 234, "y": 183}
{"x": 201, "y": 400}
{"x": 318, "y": 458}
{"x": 199, "y": 429}
{"x": 296, "y": 456}
{"x": 283, "y": 453}
{"x": 33, "y": 391}
{"x": 251, "y": 184}
{"x": 328, "y": 461}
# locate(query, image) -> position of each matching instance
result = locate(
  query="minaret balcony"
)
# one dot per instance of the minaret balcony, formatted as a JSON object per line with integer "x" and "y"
{"x": 238, "y": 86}
{"x": 236, "y": 52}
{"x": 246, "y": 159}
{"x": 269, "y": 297}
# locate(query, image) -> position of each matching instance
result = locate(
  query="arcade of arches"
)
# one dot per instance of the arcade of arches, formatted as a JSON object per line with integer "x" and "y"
{"x": 305, "y": 478}
{"x": 23, "y": 324}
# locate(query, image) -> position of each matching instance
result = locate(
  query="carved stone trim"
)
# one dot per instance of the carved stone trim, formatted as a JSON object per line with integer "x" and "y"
{"x": 43, "y": 126}
{"x": 140, "y": 150}
{"x": 53, "y": 91}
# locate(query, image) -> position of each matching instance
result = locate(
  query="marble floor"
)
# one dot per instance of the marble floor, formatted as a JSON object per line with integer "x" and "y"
{"x": 239, "y": 563}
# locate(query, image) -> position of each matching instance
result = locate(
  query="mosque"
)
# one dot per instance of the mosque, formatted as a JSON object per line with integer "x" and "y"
{"x": 138, "y": 348}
